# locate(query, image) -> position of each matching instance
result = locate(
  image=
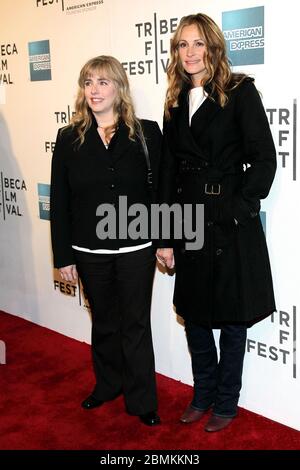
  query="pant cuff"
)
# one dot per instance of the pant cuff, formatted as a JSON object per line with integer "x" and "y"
{"x": 200, "y": 408}
{"x": 224, "y": 415}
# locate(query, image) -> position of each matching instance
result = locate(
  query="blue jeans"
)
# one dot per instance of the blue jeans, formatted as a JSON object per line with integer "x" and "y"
{"x": 217, "y": 384}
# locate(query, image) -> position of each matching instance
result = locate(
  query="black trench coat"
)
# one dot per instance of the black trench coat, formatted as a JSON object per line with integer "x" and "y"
{"x": 229, "y": 151}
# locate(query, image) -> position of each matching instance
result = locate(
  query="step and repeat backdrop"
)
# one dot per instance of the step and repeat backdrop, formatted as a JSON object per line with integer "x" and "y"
{"x": 43, "y": 44}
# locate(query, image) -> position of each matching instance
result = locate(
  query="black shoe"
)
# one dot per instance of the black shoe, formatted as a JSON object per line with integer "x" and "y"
{"x": 150, "y": 419}
{"x": 91, "y": 402}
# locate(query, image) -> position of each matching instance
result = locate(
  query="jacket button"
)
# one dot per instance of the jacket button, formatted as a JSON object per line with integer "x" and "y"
{"x": 112, "y": 186}
{"x": 111, "y": 168}
{"x": 205, "y": 164}
{"x": 219, "y": 251}
{"x": 179, "y": 190}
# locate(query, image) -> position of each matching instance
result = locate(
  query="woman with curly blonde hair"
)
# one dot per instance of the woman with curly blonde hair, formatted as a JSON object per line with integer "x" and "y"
{"x": 102, "y": 156}
{"x": 218, "y": 152}
{"x": 122, "y": 106}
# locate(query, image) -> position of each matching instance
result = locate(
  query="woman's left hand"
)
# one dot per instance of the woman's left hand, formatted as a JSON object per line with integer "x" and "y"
{"x": 165, "y": 257}
{"x": 69, "y": 273}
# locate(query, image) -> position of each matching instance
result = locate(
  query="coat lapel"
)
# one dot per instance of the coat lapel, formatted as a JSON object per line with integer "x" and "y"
{"x": 117, "y": 147}
{"x": 93, "y": 141}
{"x": 120, "y": 143}
{"x": 204, "y": 116}
{"x": 192, "y": 137}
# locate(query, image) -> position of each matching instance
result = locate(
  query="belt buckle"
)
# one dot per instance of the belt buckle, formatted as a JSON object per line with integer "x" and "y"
{"x": 212, "y": 189}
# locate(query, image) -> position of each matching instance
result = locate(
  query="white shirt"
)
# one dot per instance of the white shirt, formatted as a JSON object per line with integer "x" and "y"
{"x": 196, "y": 97}
{"x": 103, "y": 251}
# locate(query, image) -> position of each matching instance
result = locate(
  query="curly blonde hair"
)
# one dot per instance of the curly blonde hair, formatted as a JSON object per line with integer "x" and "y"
{"x": 218, "y": 72}
{"x": 123, "y": 106}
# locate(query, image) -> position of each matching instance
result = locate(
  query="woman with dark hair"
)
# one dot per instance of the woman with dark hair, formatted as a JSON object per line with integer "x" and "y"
{"x": 106, "y": 153}
{"x": 219, "y": 152}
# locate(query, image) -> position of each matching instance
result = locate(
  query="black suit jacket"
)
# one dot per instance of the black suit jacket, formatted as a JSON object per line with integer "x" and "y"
{"x": 84, "y": 178}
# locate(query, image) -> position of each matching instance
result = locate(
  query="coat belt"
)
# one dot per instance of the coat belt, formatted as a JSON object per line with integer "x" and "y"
{"x": 212, "y": 176}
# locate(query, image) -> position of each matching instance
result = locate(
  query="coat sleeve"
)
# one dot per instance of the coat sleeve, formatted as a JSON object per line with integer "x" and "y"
{"x": 167, "y": 173}
{"x": 60, "y": 211}
{"x": 155, "y": 142}
{"x": 167, "y": 180}
{"x": 259, "y": 153}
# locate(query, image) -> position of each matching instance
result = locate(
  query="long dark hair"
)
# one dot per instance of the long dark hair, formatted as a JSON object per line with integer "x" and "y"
{"x": 219, "y": 75}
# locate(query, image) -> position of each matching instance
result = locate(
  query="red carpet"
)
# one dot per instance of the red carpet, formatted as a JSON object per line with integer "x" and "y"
{"x": 46, "y": 377}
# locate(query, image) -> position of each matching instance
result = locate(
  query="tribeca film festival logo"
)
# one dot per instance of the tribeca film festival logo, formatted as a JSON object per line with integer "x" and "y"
{"x": 39, "y": 60}
{"x": 283, "y": 122}
{"x": 70, "y": 7}
{"x": 6, "y": 51}
{"x": 63, "y": 119}
{"x": 285, "y": 351}
{"x": 10, "y": 188}
{"x": 44, "y": 200}
{"x": 155, "y": 36}
{"x": 244, "y": 34}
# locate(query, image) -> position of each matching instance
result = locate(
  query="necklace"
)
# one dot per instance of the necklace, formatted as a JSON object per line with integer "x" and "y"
{"x": 107, "y": 126}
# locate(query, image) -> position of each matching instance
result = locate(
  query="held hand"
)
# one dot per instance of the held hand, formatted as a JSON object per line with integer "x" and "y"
{"x": 165, "y": 257}
{"x": 69, "y": 273}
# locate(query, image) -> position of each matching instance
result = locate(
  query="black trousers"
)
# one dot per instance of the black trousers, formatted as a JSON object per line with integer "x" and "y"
{"x": 119, "y": 290}
{"x": 217, "y": 384}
